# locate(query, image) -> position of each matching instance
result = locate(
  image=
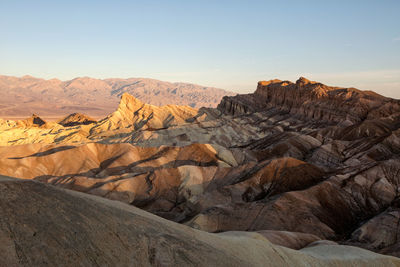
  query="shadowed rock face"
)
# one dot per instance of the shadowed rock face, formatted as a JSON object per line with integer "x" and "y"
{"x": 299, "y": 163}
{"x": 45, "y": 226}
{"x": 75, "y": 119}
{"x": 33, "y": 121}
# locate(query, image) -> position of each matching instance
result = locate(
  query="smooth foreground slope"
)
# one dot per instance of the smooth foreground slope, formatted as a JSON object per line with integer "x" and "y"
{"x": 44, "y": 226}
{"x": 20, "y": 97}
{"x": 295, "y": 162}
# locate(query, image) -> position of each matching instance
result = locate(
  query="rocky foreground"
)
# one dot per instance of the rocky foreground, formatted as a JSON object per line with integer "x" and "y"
{"x": 294, "y": 163}
{"x": 45, "y": 226}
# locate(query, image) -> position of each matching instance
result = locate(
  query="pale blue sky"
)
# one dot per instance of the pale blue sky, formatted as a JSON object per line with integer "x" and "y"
{"x": 227, "y": 44}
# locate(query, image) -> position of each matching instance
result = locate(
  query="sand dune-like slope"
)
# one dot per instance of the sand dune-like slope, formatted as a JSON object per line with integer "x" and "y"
{"x": 43, "y": 226}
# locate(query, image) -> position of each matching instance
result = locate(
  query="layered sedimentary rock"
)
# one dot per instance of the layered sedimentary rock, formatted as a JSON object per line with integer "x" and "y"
{"x": 298, "y": 163}
{"x": 45, "y": 226}
{"x": 313, "y": 101}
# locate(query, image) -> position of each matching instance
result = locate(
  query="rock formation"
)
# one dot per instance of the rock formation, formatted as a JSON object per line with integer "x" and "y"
{"x": 301, "y": 164}
{"x": 132, "y": 115}
{"x": 45, "y": 226}
{"x": 76, "y": 119}
{"x": 312, "y": 100}
{"x": 33, "y": 121}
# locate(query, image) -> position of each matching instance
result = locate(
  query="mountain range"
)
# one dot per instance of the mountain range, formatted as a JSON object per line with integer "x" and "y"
{"x": 296, "y": 173}
{"x": 21, "y": 97}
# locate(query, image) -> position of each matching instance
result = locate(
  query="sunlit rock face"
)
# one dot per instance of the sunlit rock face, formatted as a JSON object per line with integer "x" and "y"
{"x": 302, "y": 164}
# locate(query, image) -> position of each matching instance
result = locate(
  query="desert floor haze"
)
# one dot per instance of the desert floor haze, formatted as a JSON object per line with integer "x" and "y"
{"x": 294, "y": 174}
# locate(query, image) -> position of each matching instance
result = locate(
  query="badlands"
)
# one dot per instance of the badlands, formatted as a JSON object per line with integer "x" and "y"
{"x": 293, "y": 174}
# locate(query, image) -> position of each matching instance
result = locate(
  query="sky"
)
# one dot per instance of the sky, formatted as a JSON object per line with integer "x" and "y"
{"x": 226, "y": 44}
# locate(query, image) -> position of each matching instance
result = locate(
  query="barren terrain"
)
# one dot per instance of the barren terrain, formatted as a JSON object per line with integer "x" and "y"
{"x": 304, "y": 165}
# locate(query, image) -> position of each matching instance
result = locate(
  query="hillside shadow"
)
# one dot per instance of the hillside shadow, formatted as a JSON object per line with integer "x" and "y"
{"x": 46, "y": 153}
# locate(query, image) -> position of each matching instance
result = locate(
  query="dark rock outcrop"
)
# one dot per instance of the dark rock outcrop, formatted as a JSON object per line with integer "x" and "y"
{"x": 33, "y": 121}
{"x": 313, "y": 101}
{"x": 76, "y": 119}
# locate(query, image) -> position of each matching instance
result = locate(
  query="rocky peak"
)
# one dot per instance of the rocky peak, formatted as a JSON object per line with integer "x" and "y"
{"x": 129, "y": 103}
{"x": 86, "y": 84}
{"x": 33, "y": 121}
{"x": 303, "y": 81}
{"x": 37, "y": 120}
{"x": 133, "y": 113}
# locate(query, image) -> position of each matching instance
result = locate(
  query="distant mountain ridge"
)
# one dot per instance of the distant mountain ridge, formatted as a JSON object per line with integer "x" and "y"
{"x": 21, "y": 97}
